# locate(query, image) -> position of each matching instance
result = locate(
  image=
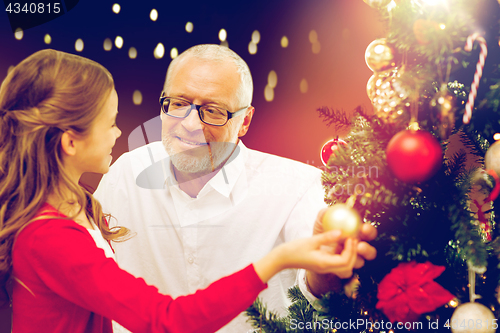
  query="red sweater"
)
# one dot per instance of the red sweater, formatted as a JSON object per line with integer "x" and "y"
{"x": 64, "y": 283}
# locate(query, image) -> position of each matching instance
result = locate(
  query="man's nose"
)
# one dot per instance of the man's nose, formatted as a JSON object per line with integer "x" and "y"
{"x": 192, "y": 122}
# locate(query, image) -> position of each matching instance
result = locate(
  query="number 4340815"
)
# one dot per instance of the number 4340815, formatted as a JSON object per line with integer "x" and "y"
{"x": 472, "y": 324}
{"x": 33, "y": 8}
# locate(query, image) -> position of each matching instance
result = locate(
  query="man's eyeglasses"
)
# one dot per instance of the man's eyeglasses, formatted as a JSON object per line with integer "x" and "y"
{"x": 211, "y": 115}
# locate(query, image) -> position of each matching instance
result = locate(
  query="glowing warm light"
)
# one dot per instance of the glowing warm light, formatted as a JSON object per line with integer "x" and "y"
{"x": 316, "y": 47}
{"x": 153, "y": 15}
{"x": 414, "y": 126}
{"x": 18, "y": 34}
{"x": 391, "y": 5}
{"x": 79, "y": 45}
{"x": 496, "y": 136}
{"x": 159, "y": 51}
{"x": 137, "y": 97}
{"x": 252, "y": 48}
{"x": 47, "y": 39}
{"x": 222, "y": 35}
{"x": 118, "y": 42}
{"x": 453, "y": 303}
{"x": 433, "y": 2}
{"x": 442, "y": 26}
{"x": 116, "y": 8}
{"x": 379, "y": 49}
{"x": 189, "y": 27}
{"x": 313, "y": 36}
{"x": 272, "y": 79}
{"x": 284, "y": 42}
{"x": 304, "y": 87}
{"x": 256, "y": 37}
{"x": 108, "y": 45}
{"x": 269, "y": 93}
{"x": 132, "y": 53}
{"x": 174, "y": 53}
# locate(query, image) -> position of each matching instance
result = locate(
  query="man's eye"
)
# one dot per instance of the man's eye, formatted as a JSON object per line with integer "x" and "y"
{"x": 214, "y": 111}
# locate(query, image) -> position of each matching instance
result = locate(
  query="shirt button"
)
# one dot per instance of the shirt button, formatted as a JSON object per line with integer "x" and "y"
{"x": 190, "y": 259}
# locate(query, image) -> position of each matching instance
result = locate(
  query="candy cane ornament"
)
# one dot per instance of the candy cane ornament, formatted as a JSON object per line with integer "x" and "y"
{"x": 477, "y": 75}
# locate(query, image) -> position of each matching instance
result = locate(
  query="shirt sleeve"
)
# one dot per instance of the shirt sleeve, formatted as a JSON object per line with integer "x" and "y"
{"x": 67, "y": 260}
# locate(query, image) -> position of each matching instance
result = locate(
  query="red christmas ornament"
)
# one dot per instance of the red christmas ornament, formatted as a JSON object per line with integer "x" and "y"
{"x": 329, "y": 148}
{"x": 409, "y": 290}
{"x": 414, "y": 156}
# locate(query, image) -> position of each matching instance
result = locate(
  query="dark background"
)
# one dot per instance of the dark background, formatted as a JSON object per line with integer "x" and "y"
{"x": 288, "y": 125}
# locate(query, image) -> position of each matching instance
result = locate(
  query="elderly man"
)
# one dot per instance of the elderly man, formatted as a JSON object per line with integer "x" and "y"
{"x": 213, "y": 206}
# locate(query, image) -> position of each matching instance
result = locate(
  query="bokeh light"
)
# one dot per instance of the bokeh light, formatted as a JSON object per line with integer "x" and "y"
{"x": 252, "y": 48}
{"x": 159, "y": 51}
{"x": 174, "y": 53}
{"x": 116, "y": 8}
{"x": 108, "y": 44}
{"x": 132, "y": 53}
{"x": 256, "y": 37}
{"x": 304, "y": 87}
{"x": 189, "y": 27}
{"x": 272, "y": 79}
{"x": 137, "y": 97}
{"x": 284, "y": 41}
{"x": 47, "y": 39}
{"x": 18, "y": 34}
{"x": 119, "y": 42}
{"x": 222, "y": 35}
{"x": 313, "y": 36}
{"x": 153, "y": 15}
{"x": 79, "y": 45}
{"x": 496, "y": 136}
{"x": 269, "y": 93}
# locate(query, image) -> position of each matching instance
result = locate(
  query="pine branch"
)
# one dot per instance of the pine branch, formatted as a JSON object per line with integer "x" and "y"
{"x": 264, "y": 320}
{"x": 337, "y": 117}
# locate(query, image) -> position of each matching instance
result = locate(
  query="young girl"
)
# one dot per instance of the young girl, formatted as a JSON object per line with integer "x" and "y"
{"x": 57, "y": 121}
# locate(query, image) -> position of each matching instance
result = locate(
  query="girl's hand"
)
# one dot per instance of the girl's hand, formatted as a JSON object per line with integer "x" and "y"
{"x": 313, "y": 254}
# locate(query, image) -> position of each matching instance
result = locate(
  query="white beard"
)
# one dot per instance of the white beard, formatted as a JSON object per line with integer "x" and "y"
{"x": 215, "y": 155}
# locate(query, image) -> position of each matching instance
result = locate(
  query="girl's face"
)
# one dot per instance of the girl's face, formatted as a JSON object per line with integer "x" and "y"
{"x": 95, "y": 152}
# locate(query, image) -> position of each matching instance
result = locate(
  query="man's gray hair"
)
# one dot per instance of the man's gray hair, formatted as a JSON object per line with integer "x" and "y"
{"x": 214, "y": 52}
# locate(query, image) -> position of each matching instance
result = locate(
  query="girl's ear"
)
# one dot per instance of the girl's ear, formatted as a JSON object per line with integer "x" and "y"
{"x": 68, "y": 143}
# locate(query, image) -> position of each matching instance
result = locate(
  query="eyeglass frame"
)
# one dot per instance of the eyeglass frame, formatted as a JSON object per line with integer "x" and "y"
{"x": 230, "y": 114}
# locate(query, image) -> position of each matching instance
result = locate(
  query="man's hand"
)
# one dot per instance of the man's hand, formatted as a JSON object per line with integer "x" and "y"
{"x": 320, "y": 284}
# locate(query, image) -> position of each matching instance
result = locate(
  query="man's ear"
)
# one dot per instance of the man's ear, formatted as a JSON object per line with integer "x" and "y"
{"x": 246, "y": 122}
{"x": 68, "y": 143}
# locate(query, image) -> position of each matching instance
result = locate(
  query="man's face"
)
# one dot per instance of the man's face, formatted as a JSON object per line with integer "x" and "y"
{"x": 194, "y": 146}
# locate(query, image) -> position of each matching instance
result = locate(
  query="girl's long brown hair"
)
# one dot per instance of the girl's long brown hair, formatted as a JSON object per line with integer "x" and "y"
{"x": 48, "y": 93}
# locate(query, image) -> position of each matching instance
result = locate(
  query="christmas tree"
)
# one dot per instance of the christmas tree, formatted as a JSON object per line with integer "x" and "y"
{"x": 435, "y": 87}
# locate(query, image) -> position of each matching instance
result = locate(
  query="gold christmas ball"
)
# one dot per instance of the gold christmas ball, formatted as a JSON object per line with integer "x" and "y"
{"x": 442, "y": 108}
{"x": 492, "y": 158}
{"x": 389, "y": 96}
{"x": 342, "y": 217}
{"x": 473, "y": 318}
{"x": 377, "y": 3}
{"x": 379, "y": 56}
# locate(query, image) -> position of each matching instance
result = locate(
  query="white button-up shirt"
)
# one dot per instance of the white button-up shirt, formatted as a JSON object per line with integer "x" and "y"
{"x": 181, "y": 244}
